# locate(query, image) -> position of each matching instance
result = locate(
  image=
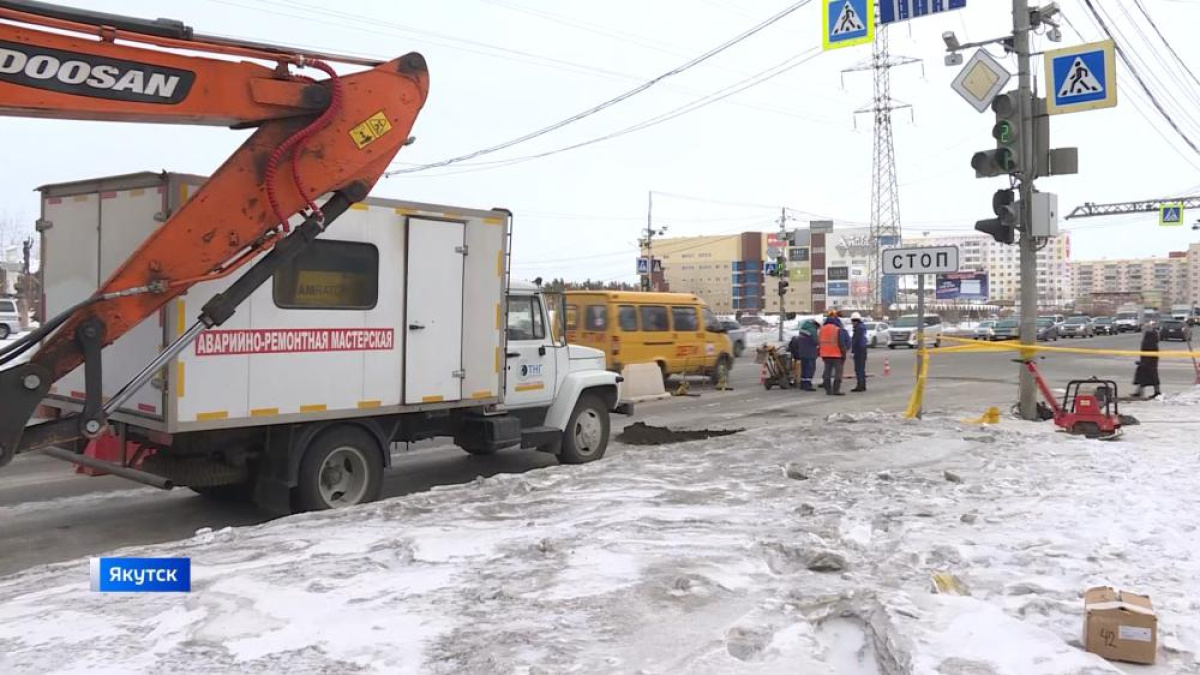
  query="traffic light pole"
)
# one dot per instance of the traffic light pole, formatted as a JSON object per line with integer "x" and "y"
{"x": 1029, "y": 291}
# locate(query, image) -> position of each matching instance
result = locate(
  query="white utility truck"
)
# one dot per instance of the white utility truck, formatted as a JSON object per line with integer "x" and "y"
{"x": 398, "y": 324}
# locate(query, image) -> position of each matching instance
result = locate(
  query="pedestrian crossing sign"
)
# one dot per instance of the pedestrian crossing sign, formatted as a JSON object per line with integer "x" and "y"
{"x": 1083, "y": 77}
{"x": 1170, "y": 214}
{"x": 845, "y": 23}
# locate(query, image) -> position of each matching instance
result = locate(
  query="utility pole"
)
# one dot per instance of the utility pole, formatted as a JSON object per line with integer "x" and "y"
{"x": 1029, "y": 290}
{"x": 781, "y": 267}
{"x": 647, "y": 243}
{"x": 1022, "y": 133}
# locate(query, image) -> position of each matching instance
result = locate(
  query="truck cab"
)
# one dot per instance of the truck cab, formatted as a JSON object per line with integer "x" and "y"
{"x": 564, "y": 389}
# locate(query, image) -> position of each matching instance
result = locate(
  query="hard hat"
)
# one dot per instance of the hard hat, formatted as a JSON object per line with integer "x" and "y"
{"x": 856, "y": 317}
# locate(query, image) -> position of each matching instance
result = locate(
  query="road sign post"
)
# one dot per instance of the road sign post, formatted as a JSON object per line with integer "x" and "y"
{"x": 1170, "y": 215}
{"x": 1079, "y": 78}
{"x": 920, "y": 261}
{"x": 892, "y": 11}
{"x": 845, "y": 23}
{"x": 981, "y": 80}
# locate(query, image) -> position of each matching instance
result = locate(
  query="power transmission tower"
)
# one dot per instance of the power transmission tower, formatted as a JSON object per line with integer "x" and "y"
{"x": 885, "y": 190}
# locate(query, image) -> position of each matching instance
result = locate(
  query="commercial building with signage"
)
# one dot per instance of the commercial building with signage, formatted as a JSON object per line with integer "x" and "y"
{"x": 725, "y": 270}
{"x": 829, "y": 266}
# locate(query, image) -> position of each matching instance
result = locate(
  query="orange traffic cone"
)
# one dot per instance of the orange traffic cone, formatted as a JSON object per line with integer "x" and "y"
{"x": 887, "y": 367}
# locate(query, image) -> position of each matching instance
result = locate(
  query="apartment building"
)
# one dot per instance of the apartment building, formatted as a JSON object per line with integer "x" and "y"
{"x": 1175, "y": 279}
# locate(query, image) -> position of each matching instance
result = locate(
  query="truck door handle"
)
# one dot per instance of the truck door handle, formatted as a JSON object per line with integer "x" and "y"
{"x": 513, "y": 355}
{"x": 416, "y": 326}
{"x": 542, "y": 350}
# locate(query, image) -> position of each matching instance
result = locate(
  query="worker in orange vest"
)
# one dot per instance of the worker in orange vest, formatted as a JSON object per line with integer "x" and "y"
{"x": 833, "y": 345}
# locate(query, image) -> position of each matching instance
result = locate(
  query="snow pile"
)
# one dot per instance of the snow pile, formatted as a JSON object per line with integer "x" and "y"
{"x": 807, "y": 548}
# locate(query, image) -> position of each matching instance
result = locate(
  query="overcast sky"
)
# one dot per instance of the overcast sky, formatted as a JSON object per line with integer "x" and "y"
{"x": 502, "y": 68}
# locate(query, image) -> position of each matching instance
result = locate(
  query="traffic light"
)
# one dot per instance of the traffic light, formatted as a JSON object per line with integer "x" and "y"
{"x": 1003, "y": 227}
{"x": 783, "y": 286}
{"x": 1007, "y": 157}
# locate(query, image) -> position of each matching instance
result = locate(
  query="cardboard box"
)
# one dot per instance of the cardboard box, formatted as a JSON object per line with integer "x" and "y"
{"x": 1119, "y": 626}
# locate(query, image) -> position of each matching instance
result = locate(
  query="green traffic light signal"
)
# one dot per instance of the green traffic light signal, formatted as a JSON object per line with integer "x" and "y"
{"x": 1004, "y": 132}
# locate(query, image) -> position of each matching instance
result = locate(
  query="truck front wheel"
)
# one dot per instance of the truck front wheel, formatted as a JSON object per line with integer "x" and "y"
{"x": 586, "y": 436}
{"x": 342, "y": 467}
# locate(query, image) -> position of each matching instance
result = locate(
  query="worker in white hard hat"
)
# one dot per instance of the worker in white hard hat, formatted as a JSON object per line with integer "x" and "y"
{"x": 858, "y": 347}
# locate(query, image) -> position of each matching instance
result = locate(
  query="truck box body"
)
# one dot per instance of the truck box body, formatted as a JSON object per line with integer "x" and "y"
{"x": 396, "y": 308}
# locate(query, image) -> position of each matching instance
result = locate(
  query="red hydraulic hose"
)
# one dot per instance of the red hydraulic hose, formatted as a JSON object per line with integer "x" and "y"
{"x": 299, "y": 139}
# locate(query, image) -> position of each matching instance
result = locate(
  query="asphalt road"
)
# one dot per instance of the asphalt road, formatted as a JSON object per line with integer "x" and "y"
{"x": 49, "y": 514}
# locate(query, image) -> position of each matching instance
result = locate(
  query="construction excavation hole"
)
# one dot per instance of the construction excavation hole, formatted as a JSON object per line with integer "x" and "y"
{"x": 640, "y": 433}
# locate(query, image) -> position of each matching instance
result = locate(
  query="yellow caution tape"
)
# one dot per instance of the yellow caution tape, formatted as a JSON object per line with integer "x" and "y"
{"x": 990, "y": 416}
{"x": 1012, "y": 346}
{"x": 918, "y": 393}
{"x": 946, "y": 583}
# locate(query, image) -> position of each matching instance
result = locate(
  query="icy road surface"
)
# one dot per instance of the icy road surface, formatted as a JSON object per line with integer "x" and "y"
{"x": 805, "y": 548}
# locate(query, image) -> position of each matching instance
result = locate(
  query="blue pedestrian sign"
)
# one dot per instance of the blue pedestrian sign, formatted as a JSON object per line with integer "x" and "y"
{"x": 845, "y": 23}
{"x": 891, "y": 11}
{"x": 770, "y": 268}
{"x": 643, "y": 266}
{"x": 1083, "y": 77}
{"x": 1170, "y": 215}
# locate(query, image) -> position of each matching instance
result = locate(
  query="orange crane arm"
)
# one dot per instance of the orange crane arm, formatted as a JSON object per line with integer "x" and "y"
{"x": 312, "y": 138}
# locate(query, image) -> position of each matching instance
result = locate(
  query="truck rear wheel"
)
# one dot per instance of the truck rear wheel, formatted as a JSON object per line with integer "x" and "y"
{"x": 342, "y": 467}
{"x": 586, "y": 436}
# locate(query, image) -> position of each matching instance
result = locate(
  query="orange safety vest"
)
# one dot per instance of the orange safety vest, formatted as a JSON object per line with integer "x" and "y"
{"x": 829, "y": 340}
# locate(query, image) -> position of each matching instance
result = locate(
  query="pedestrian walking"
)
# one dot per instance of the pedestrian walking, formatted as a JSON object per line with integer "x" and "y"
{"x": 807, "y": 353}
{"x": 1147, "y": 366}
{"x": 858, "y": 347}
{"x": 833, "y": 346}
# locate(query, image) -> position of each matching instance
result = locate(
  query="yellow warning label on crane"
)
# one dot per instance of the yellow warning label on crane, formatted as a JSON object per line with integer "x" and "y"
{"x": 370, "y": 129}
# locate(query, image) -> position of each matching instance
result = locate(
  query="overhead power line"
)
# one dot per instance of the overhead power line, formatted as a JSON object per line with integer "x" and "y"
{"x": 1140, "y": 80}
{"x": 1167, "y": 43}
{"x": 616, "y": 99}
{"x": 1139, "y": 101}
{"x": 691, "y": 106}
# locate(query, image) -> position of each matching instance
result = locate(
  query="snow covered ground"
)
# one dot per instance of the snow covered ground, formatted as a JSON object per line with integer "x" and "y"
{"x": 803, "y": 548}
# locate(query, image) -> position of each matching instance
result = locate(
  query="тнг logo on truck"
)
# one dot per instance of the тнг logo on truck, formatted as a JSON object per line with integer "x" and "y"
{"x": 93, "y": 76}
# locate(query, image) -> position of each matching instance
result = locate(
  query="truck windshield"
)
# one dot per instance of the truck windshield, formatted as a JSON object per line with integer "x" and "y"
{"x": 906, "y": 322}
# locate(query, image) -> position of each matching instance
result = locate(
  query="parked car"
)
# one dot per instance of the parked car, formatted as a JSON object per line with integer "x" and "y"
{"x": 9, "y": 320}
{"x": 1007, "y": 329}
{"x": 1127, "y": 322}
{"x": 904, "y": 331}
{"x": 1047, "y": 329}
{"x": 876, "y": 331}
{"x": 1104, "y": 325}
{"x": 1174, "y": 329}
{"x": 986, "y": 330}
{"x": 737, "y": 336}
{"x": 1077, "y": 327}
{"x": 756, "y": 322}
